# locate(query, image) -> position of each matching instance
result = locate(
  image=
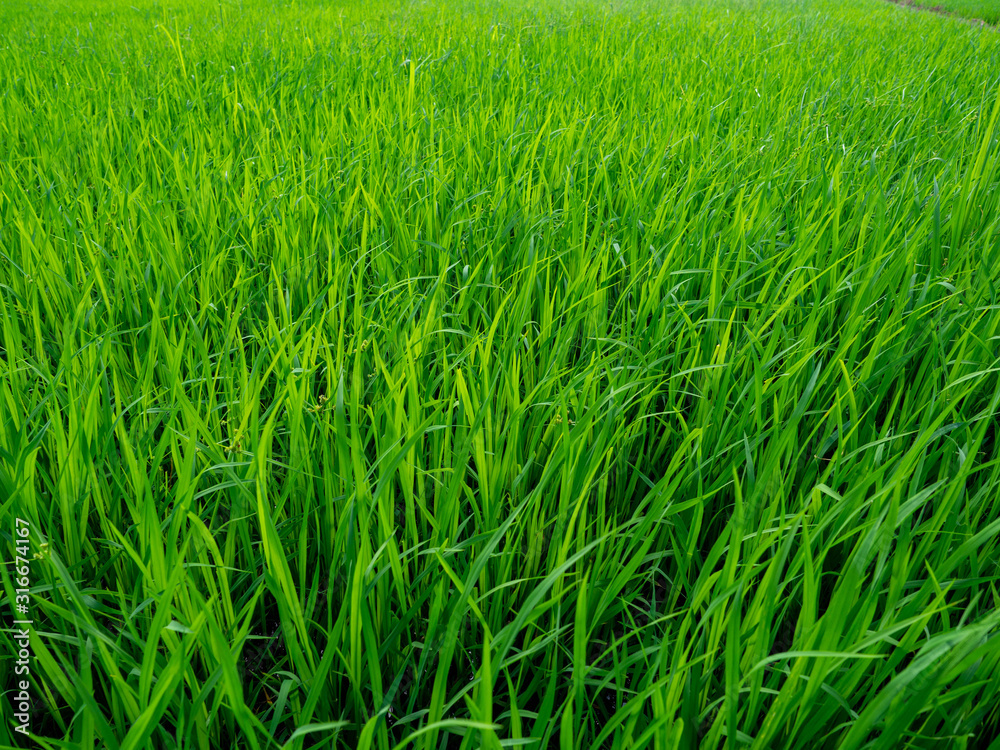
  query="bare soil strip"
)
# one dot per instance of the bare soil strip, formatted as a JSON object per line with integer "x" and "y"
{"x": 942, "y": 11}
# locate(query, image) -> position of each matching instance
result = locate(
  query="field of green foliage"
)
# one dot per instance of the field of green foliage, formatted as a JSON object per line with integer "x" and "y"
{"x": 502, "y": 374}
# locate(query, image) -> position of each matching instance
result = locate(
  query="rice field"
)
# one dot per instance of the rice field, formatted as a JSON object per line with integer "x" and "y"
{"x": 978, "y": 11}
{"x": 503, "y": 374}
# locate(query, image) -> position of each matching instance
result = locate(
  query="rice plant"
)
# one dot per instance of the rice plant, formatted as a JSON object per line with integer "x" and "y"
{"x": 564, "y": 374}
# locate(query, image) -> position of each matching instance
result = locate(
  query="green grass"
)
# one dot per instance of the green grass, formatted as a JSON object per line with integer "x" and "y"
{"x": 982, "y": 10}
{"x": 490, "y": 374}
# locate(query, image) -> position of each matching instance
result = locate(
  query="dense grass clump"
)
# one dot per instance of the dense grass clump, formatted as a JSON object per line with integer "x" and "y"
{"x": 491, "y": 374}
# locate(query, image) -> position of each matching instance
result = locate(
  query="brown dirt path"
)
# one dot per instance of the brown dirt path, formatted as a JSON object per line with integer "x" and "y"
{"x": 942, "y": 11}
